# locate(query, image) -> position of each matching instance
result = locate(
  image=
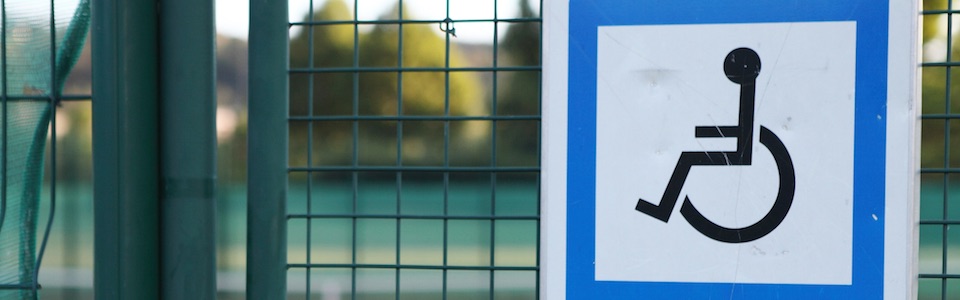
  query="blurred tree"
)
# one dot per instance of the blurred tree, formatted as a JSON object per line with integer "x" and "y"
{"x": 519, "y": 92}
{"x": 931, "y": 24}
{"x": 380, "y": 93}
{"x": 934, "y": 84}
{"x": 332, "y": 47}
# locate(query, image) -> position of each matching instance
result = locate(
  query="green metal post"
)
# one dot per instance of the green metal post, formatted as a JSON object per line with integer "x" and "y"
{"x": 267, "y": 151}
{"x": 125, "y": 149}
{"x": 187, "y": 149}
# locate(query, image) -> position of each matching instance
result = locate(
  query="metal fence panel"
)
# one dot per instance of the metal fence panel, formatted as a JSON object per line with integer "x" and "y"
{"x": 413, "y": 150}
{"x": 939, "y": 242}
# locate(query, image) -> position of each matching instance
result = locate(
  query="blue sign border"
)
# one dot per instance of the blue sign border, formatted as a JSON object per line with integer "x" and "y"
{"x": 869, "y": 140}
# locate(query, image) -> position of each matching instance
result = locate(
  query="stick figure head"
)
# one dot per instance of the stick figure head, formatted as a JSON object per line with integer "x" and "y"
{"x": 742, "y": 65}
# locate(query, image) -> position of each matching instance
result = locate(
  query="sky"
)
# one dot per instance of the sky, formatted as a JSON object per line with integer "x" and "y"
{"x": 233, "y": 15}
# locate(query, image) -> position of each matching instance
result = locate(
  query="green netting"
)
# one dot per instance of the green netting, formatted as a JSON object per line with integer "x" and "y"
{"x": 41, "y": 41}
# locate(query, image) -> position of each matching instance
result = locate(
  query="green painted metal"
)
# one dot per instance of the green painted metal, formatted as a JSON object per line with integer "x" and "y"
{"x": 188, "y": 149}
{"x": 125, "y": 137}
{"x": 267, "y": 150}
{"x": 939, "y": 166}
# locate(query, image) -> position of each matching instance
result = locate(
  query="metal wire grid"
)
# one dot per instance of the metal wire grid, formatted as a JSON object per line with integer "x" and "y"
{"x": 938, "y": 239}
{"x": 355, "y": 170}
{"x": 53, "y": 99}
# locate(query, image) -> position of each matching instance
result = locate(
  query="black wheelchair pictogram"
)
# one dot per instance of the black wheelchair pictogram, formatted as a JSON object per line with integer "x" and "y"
{"x": 742, "y": 66}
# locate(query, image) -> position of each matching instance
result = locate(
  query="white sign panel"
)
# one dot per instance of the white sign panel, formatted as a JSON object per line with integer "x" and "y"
{"x": 650, "y": 100}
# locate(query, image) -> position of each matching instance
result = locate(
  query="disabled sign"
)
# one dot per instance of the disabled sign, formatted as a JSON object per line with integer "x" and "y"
{"x": 729, "y": 150}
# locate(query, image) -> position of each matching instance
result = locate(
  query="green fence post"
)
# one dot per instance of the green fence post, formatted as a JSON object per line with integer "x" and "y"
{"x": 125, "y": 149}
{"x": 267, "y": 151}
{"x": 187, "y": 149}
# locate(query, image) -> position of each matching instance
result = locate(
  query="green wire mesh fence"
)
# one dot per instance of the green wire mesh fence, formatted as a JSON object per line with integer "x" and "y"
{"x": 414, "y": 151}
{"x": 940, "y": 187}
{"x": 390, "y": 197}
{"x": 39, "y": 44}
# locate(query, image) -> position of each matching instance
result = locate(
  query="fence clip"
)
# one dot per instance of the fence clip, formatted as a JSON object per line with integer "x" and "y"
{"x": 447, "y": 27}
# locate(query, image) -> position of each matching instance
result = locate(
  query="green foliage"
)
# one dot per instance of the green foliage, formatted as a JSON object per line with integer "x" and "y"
{"x": 934, "y": 134}
{"x": 931, "y": 23}
{"x": 386, "y": 93}
{"x": 940, "y": 95}
{"x": 332, "y": 47}
{"x": 520, "y": 92}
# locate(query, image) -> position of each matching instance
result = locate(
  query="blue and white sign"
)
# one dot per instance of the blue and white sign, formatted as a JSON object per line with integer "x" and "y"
{"x": 744, "y": 150}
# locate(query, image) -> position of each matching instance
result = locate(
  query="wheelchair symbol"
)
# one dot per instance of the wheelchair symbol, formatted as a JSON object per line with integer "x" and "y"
{"x": 742, "y": 66}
